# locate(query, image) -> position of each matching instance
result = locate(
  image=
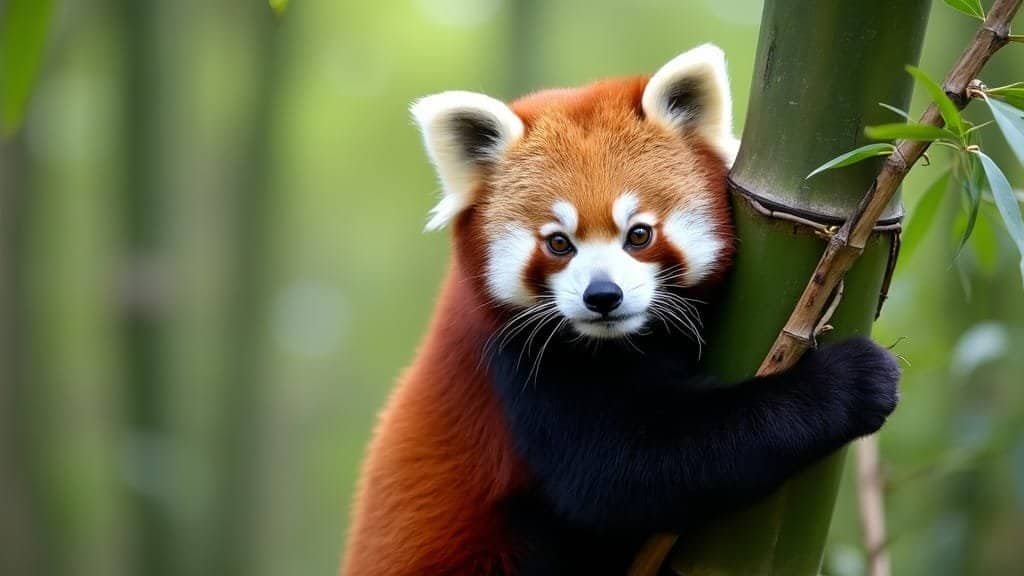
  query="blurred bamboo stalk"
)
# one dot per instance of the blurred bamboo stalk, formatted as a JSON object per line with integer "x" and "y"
{"x": 20, "y": 541}
{"x": 522, "y": 48}
{"x": 871, "y": 505}
{"x": 247, "y": 414}
{"x": 194, "y": 297}
{"x": 141, "y": 297}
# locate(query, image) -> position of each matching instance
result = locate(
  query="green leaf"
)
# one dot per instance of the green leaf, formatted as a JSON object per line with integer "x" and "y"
{"x": 1011, "y": 123}
{"x": 854, "y": 156}
{"x": 909, "y": 132}
{"x": 984, "y": 243}
{"x": 278, "y": 6}
{"x": 970, "y": 7}
{"x": 972, "y": 185}
{"x": 1014, "y": 97}
{"x": 901, "y": 113}
{"x": 1012, "y": 94}
{"x": 23, "y": 29}
{"x": 922, "y": 216}
{"x": 949, "y": 111}
{"x": 1006, "y": 202}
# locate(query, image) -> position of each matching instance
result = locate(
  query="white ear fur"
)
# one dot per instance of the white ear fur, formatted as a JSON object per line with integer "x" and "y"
{"x": 691, "y": 92}
{"x": 463, "y": 132}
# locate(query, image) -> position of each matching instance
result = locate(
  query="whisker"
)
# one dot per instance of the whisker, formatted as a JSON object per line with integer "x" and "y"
{"x": 525, "y": 317}
{"x": 683, "y": 312}
{"x": 529, "y": 341}
{"x": 631, "y": 344}
{"x": 543, "y": 348}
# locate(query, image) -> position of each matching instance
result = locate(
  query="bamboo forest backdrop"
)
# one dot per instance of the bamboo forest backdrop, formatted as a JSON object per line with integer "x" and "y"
{"x": 212, "y": 269}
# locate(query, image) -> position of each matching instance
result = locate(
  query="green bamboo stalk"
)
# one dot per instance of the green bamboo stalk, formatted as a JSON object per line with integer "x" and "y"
{"x": 21, "y": 539}
{"x": 142, "y": 303}
{"x": 248, "y": 415}
{"x": 821, "y": 69}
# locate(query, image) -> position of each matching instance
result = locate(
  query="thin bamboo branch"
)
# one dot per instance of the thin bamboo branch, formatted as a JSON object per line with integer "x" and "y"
{"x": 871, "y": 506}
{"x": 843, "y": 249}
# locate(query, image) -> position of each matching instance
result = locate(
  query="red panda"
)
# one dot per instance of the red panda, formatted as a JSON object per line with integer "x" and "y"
{"x": 555, "y": 414}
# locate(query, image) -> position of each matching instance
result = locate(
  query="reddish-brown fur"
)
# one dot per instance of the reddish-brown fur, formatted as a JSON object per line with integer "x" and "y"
{"x": 441, "y": 462}
{"x": 589, "y": 145}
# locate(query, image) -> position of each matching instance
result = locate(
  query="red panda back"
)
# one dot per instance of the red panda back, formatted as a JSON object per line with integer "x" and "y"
{"x": 440, "y": 461}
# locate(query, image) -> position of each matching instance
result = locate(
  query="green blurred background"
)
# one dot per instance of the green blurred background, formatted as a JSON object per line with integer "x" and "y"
{"x": 212, "y": 269}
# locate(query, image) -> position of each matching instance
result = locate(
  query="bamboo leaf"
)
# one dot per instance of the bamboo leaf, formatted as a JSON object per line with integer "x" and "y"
{"x": 923, "y": 215}
{"x": 973, "y": 187}
{"x": 1006, "y": 202}
{"x": 949, "y": 111}
{"x": 984, "y": 243}
{"x": 901, "y": 113}
{"x": 1012, "y": 94}
{"x": 909, "y": 132}
{"x": 1013, "y": 97}
{"x": 1011, "y": 123}
{"x": 23, "y": 30}
{"x": 970, "y": 7}
{"x": 854, "y": 156}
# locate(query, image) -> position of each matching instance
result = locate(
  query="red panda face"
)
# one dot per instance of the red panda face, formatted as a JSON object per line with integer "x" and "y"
{"x": 594, "y": 204}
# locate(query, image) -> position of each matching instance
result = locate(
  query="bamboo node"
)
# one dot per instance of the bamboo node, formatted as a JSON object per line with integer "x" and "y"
{"x": 825, "y": 227}
{"x": 976, "y": 89}
{"x": 827, "y": 232}
{"x": 1000, "y": 32}
{"x": 801, "y": 338}
{"x": 897, "y": 162}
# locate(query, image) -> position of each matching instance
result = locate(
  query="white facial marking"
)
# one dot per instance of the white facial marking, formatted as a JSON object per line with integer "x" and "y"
{"x": 605, "y": 260}
{"x": 623, "y": 209}
{"x": 508, "y": 255}
{"x": 551, "y": 228}
{"x": 567, "y": 215}
{"x": 644, "y": 218}
{"x": 692, "y": 231}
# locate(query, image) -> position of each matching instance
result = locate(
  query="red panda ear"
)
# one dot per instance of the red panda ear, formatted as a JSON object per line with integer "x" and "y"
{"x": 463, "y": 132}
{"x": 691, "y": 93}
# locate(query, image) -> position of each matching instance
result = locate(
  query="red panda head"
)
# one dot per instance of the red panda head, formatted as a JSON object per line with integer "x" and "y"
{"x": 597, "y": 204}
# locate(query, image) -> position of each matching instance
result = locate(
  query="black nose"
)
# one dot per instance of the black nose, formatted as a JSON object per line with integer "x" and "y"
{"x": 602, "y": 296}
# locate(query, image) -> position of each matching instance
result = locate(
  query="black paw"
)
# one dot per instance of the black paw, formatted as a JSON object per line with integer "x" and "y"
{"x": 863, "y": 381}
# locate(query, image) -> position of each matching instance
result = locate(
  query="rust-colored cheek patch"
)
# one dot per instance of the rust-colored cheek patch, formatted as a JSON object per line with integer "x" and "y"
{"x": 662, "y": 252}
{"x": 540, "y": 268}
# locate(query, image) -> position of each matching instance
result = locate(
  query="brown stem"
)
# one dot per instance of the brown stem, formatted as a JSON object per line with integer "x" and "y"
{"x": 843, "y": 249}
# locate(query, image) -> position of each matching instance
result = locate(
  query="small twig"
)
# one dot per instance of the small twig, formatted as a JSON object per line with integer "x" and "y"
{"x": 871, "y": 506}
{"x": 823, "y": 325}
{"x": 847, "y": 245}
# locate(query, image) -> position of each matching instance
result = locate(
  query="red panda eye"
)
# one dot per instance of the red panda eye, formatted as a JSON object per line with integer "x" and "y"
{"x": 559, "y": 244}
{"x": 639, "y": 236}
